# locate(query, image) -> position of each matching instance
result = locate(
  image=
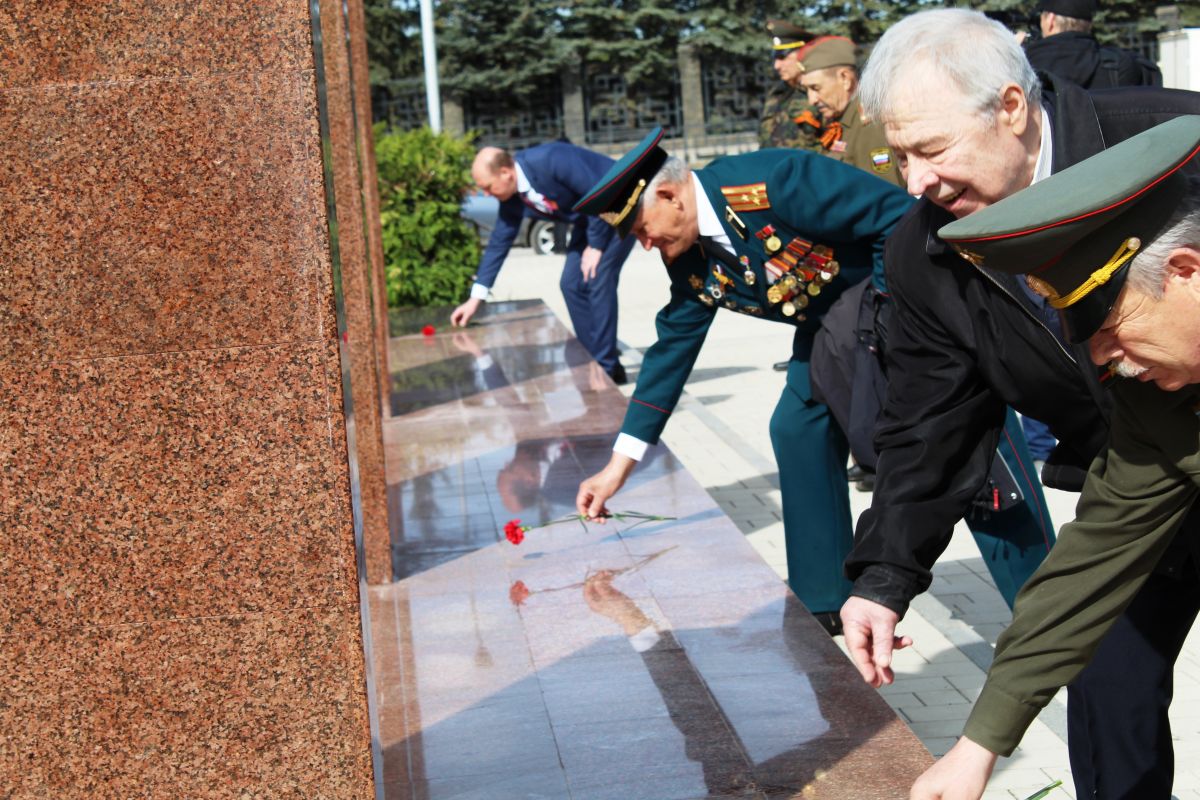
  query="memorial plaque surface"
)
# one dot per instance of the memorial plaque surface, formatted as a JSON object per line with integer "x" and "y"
{"x": 655, "y": 660}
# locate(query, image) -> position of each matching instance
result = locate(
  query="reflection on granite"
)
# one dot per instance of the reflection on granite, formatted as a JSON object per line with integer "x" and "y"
{"x": 662, "y": 660}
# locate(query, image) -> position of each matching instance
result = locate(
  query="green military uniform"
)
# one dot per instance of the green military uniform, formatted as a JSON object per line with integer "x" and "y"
{"x": 1134, "y": 500}
{"x": 863, "y": 145}
{"x": 850, "y": 139}
{"x": 1084, "y": 226}
{"x": 802, "y": 229}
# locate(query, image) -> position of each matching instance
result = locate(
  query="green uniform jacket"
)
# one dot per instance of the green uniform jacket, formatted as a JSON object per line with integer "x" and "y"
{"x": 863, "y": 145}
{"x": 812, "y": 200}
{"x": 1135, "y": 497}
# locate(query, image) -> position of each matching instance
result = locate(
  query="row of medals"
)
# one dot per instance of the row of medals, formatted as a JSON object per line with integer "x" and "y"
{"x": 793, "y": 287}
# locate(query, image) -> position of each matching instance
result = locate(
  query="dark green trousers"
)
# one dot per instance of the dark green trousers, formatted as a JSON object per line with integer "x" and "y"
{"x": 811, "y": 452}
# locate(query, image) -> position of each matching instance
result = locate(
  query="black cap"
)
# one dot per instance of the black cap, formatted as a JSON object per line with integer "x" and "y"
{"x": 1078, "y": 9}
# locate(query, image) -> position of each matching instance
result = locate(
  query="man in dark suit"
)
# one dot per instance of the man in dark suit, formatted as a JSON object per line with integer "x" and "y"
{"x": 971, "y": 124}
{"x": 547, "y": 180}
{"x": 776, "y": 235}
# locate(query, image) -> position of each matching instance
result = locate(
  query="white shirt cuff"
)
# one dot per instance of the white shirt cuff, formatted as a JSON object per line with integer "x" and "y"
{"x": 480, "y": 292}
{"x": 644, "y": 639}
{"x": 627, "y": 445}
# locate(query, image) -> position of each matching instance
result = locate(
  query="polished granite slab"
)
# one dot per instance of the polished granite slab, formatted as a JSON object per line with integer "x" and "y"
{"x": 659, "y": 660}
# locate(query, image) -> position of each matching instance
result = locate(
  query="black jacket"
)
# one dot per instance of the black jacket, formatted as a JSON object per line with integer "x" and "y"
{"x": 965, "y": 342}
{"x": 1079, "y": 58}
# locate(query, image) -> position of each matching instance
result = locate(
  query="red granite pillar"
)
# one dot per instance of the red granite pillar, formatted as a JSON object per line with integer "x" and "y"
{"x": 179, "y": 610}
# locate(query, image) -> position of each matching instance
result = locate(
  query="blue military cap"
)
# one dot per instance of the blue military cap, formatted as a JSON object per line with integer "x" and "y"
{"x": 1073, "y": 234}
{"x": 617, "y": 196}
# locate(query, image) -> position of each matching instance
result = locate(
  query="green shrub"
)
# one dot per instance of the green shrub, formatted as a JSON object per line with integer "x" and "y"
{"x": 429, "y": 250}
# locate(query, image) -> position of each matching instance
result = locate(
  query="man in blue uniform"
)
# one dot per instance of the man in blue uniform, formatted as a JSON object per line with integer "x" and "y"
{"x": 776, "y": 234}
{"x": 547, "y": 180}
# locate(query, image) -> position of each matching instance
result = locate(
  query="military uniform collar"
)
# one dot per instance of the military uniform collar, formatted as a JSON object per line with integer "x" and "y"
{"x": 852, "y": 117}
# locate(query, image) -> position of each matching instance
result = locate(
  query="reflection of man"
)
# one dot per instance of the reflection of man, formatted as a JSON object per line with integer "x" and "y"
{"x": 548, "y": 180}
{"x": 1118, "y": 241}
{"x": 1068, "y": 49}
{"x": 829, "y": 75}
{"x": 788, "y": 120}
{"x": 761, "y": 234}
{"x": 968, "y": 119}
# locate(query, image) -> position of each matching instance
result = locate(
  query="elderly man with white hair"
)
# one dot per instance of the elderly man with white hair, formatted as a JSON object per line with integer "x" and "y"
{"x": 971, "y": 123}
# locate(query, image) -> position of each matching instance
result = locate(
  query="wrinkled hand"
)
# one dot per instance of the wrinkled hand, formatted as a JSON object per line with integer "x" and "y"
{"x": 609, "y": 601}
{"x": 961, "y": 774}
{"x": 462, "y": 315}
{"x": 870, "y": 630}
{"x": 595, "y": 491}
{"x": 589, "y": 262}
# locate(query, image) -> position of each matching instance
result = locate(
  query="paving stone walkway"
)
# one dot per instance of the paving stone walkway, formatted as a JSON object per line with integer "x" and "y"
{"x": 719, "y": 432}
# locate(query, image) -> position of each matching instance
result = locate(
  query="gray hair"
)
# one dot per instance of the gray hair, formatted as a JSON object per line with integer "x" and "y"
{"x": 674, "y": 170}
{"x": 976, "y": 54}
{"x": 1148, "y": 270}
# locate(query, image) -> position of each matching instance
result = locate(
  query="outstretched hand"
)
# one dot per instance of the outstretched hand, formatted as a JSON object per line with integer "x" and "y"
{"x": 870, "y": 631}
{"x": 961, "y": 774}
{"x": 595, "y": 491}
{"x": 460, "y": 316}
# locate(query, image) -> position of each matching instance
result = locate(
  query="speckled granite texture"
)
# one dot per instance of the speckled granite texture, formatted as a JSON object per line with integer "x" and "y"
{"x": 361, "y": 337}
{"x": 179, "y": 609}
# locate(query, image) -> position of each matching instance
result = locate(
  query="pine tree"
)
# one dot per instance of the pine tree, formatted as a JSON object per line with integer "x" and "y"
{"x": 499, "y": 48}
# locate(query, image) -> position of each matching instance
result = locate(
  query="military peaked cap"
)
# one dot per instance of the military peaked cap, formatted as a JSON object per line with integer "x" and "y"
{"x": 786, "y": 37}
{"x": 617, "y": 197}
{"x": 1074, "y": 233}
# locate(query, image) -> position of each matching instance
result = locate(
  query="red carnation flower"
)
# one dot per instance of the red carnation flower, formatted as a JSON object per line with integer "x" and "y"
{"x": 518, "y": 593}
{"x": 513, "y": 531}
{"x": 428, "y": 330}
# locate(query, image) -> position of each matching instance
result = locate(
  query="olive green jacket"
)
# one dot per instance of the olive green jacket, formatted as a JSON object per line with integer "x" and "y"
{"x": 863, "y": 145}
{"x": 1135, "y": 497}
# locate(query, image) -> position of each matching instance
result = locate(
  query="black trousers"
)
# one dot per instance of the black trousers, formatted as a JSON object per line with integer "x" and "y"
{"x": 1119, "y": 735}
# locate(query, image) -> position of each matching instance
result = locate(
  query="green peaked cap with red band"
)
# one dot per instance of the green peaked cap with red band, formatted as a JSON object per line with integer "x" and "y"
{"x": 617, "y": 196}
{"x": 1073, "y": 234}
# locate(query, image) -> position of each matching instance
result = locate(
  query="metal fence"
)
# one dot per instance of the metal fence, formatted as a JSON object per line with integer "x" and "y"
{"x": 612, "y": 114}
{"x": 733, "y": 93}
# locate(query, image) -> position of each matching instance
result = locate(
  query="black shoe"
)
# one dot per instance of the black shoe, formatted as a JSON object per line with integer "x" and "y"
{"x": 856, "y": 473}
{"x": 780, "y": 366}
{"x": 865, "y": 484}
{"x": 831, "y": 621}
{"x": 617, "y": 374}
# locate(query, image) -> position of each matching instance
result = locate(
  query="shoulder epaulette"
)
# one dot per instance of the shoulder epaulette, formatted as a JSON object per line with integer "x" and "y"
{"x": 750, "y": 197}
